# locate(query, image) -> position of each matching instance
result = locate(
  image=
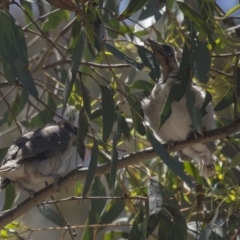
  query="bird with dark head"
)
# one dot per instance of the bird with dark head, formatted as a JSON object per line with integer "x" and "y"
{"x": 178, "y": 126}
{"x": 37, "y": 156}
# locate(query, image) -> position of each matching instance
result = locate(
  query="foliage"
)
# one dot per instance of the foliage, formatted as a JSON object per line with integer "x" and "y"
{"x": 88, "y": 61}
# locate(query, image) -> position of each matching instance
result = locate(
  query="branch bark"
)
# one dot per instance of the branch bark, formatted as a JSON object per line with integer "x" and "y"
{"x": 131, "y": 159}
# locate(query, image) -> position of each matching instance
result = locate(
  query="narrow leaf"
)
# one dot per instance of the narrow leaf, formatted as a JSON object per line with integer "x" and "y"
{"x": 75, "y": 64}
{"x": 136, "y": 112}
{"x": 226, "y": 100}
{"x": 123, "y": 56}
{"x": 9, "y": 197}
{"x": 200, "y": 60}
{"x": 174, "y": 165}
{"x": 131, "y": 8}
{"x": 194, "y": 112}
{"x": 51, "y": 215}
{"x": 135, "y": 232}
{"x": 205, "y": 234}
{"x": 149, "y": 60}
{"x": 91, "y": 168}
{"x": 108, "y": 112}
{"x": 13, "y": 52}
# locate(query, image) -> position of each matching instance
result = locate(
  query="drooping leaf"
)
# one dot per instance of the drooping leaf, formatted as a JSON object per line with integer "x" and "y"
{"x": 75, "y": 63}
{"x": 195, "y": 17}
{"x": 149, "y": 15}
{"x": 135, "y": 232}
{"x": 149, "y": 60}
{"x": 174, "y": 165}
{"x": 112, "y": 210}
{"x": 55, "y": 19}
{"x": 194, "y": 112}
{"x": 13, "y": 52}
{"x": 136, "y": 112}
{"x": 207, "y": 100}
{"x": 91, "y": 168}
{"x": 142, "y": 84}
{"x": 123, "y": 127}
{"x": 82, "y": 133}
{"x": 205, "y": 234}
{"x": 131, "y": 8}
{"x": 174, "y": 227}
{"x": 108, "y": 112}
{"x": 9, "y": 197}
{"x": 226, "y": 100}
{"x": 114, "y": 157}
{"x": 51, "y": 215}
{"x": 123, "y": 56}
{"x": 18, "y": 103}
{"x": 200, "y": 60}
{"x": 235, "y": 161}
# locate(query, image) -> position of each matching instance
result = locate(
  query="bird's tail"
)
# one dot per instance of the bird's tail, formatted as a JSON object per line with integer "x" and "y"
{"x": 203, "y": 155}
{"x": 206, "y": 165}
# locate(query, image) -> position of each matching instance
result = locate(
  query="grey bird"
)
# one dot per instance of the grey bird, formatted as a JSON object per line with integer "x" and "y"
{"x": 37, "y": 156}
{"x": 178, "y": 126}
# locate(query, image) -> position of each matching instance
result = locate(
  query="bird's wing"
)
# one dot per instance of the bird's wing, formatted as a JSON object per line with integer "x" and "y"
{"x": 39, "y": 144}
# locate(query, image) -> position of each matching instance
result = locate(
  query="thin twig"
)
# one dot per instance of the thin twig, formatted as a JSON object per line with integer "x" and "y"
{"x": 235, "y": 96}
{"x": 73, "y": 198}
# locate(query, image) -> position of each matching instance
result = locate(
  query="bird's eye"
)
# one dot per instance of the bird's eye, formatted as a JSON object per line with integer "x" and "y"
{"x": 169, "y": 50}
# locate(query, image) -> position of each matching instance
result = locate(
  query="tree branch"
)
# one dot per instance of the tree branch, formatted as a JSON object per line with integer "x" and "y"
{"x": 131, "y": 159}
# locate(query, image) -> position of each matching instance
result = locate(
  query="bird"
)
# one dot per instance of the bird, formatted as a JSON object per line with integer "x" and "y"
{"x": 178, "y": 127}
{"x": 37, "y": 156}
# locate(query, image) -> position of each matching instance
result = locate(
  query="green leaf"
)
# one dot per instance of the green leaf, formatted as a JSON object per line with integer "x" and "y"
{"x": 54, "y": 19}
{"x": 207, "y": 100}
{"x": 229, "y": 12}
{"x": 113, "y": 209}
{"x": 108, "y": 112}
{"x": 205, "y": 234}
{"x": 169, "y": 4}
{"x": 200, "y": 60}
{"x": 13, "y": 52}
{"x": 149, "y": 15}
{"x": 91, "y": 168}
{"x": 82, "y": 133}
{"x": 142, "y": 84}
{"x": 173, "y": 164}
{"x": 235, "y": 161}
{"x": 136, "y": 112}
{"x": 226, "y": 100}
{"x": 195, "y": 17}
{"x": 135, "y": 232}
{"x": 132, "y": 7}
{"x": 123, "y": 127}
{"x": 114, "y": 157}
{"x": 149, "y": 60}
{"x": 123, "y": 56}
{"x": 192, "y": 171}
{"x": 173, "y": 227}
{"x": 194, "y": 112}
{"x": 9, "y": 197}
{"x": 18, "y": 103}
{"x": 75, "y": 64}
{"x": 51, "y": 215}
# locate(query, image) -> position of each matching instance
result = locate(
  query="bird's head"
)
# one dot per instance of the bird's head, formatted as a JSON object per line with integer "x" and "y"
{"x": 68, "y": 126}
{"x": 166, "y": 57}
